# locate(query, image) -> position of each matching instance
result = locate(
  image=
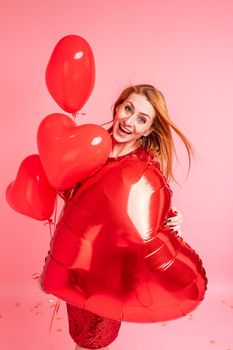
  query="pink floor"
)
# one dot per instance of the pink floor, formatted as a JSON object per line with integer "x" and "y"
{"x": 25, "y": 316}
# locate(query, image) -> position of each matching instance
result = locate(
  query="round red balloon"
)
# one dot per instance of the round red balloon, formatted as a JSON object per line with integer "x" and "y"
{"x": 70, "y": 153}
{"x": 111, "y": 254}
{"x": 70, "y": 74}
{"x": 31, "y": 194}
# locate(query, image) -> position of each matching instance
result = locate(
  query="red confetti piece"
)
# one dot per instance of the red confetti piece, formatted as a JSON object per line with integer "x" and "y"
{"x": 162, "y": 324}
{"x": 59, "y": 330}
{"x": 17, "y": 304}
{"x": 212, "y": 341}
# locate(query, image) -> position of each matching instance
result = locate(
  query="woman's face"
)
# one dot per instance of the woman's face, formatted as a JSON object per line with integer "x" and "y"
{"x": 133, "y": 119}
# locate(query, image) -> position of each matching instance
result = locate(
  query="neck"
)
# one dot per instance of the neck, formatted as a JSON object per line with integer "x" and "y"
{"x": 120, "y": 149}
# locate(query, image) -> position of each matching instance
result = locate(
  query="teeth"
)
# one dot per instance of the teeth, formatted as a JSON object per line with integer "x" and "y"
{"x": 125, "y": 130}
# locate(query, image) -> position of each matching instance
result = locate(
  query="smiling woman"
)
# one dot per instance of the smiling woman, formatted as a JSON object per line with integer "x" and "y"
{"x": 133, "y": 119}
{"x": 112, "y": 256}
{"x": 141, "y": 111}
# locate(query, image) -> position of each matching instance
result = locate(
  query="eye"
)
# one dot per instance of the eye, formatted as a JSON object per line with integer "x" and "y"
{"x": 128, "y": 108}
{"x": 142, "y": 119}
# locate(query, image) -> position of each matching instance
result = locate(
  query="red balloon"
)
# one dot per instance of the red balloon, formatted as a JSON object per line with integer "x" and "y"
{"x": 70, "y": 74}
{"x": 69, "y": 153}
{"x": 111, "y": 254}
{"x": 31, "y": 194}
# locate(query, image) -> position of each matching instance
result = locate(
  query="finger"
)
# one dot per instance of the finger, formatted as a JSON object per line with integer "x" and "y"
{"x": 176, "y": 211}
{"x": 177, "y": 230}
{"x": 173, "y": 222}
{"x": 179, "y": 233}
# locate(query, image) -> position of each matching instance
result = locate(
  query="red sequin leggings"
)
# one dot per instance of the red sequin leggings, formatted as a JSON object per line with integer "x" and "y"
{"x": 89, "y": 330}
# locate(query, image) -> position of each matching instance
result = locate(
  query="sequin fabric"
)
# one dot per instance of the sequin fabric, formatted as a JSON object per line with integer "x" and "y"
{"x": 89, "y": 330}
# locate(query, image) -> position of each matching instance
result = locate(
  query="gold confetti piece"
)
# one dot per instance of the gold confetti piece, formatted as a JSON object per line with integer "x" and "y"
{"x": 17, "y": 304}
{"x": 162, "y": 324}
{"x": 52, "y": 305}
{"x": 212, "y": 341}
{"x": 59, "y": 330}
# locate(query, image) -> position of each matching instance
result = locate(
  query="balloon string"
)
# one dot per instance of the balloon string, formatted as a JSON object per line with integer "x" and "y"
{"x": 75, "y": 114}
{"x": 55, "y": 215}
{"x": 50, "y": 223}
{"x": 55, "y": 311}
{"x": 35, "y": 276}
{"x": 52, "y": 230}
{"x": 106, "y": 123}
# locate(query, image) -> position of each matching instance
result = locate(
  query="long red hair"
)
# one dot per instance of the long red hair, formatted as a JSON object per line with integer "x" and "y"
{"x": 160, "y": 141}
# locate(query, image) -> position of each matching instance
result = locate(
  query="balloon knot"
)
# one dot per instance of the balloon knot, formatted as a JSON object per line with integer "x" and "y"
{"x": 36, "y": 275}
{"x": 49, "y": 222}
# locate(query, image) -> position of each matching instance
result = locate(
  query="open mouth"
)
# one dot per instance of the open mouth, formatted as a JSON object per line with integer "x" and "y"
{"x": 124, "y": 130}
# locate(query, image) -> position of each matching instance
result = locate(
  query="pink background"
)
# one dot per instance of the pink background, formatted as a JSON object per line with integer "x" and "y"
{"x": 185, "y": 49}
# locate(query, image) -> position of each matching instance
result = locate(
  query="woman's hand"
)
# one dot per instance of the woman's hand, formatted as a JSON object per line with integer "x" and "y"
{"x": 174, "y": 222}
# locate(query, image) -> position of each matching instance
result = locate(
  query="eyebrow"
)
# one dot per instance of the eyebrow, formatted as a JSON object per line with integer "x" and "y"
{"x": 132, "y": 105}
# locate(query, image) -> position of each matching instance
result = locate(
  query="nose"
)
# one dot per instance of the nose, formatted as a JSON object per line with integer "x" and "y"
{"x": 129, "y": 121}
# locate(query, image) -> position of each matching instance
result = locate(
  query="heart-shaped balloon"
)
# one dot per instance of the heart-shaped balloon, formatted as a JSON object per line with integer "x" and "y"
{"x": 111, "y": 254}
{"x": 31, "y": 194}
{"x": 70, "y": 153}
{"x": 70, "y": 74}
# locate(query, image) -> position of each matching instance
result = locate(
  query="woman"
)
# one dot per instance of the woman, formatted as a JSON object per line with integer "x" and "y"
{"x": 141, "y": 134}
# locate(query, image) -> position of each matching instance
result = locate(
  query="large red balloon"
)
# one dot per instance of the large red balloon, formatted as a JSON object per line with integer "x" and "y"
{"x": 111, "y": 254}
{"x": 31, "y": 194}
{"x": 70, "y": 74}
{"x": 69, "y": 153}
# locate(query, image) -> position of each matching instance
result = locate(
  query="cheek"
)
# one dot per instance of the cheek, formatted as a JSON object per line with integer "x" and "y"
{"x": 119, "y": 115}
{"x": 140, "y": 128}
